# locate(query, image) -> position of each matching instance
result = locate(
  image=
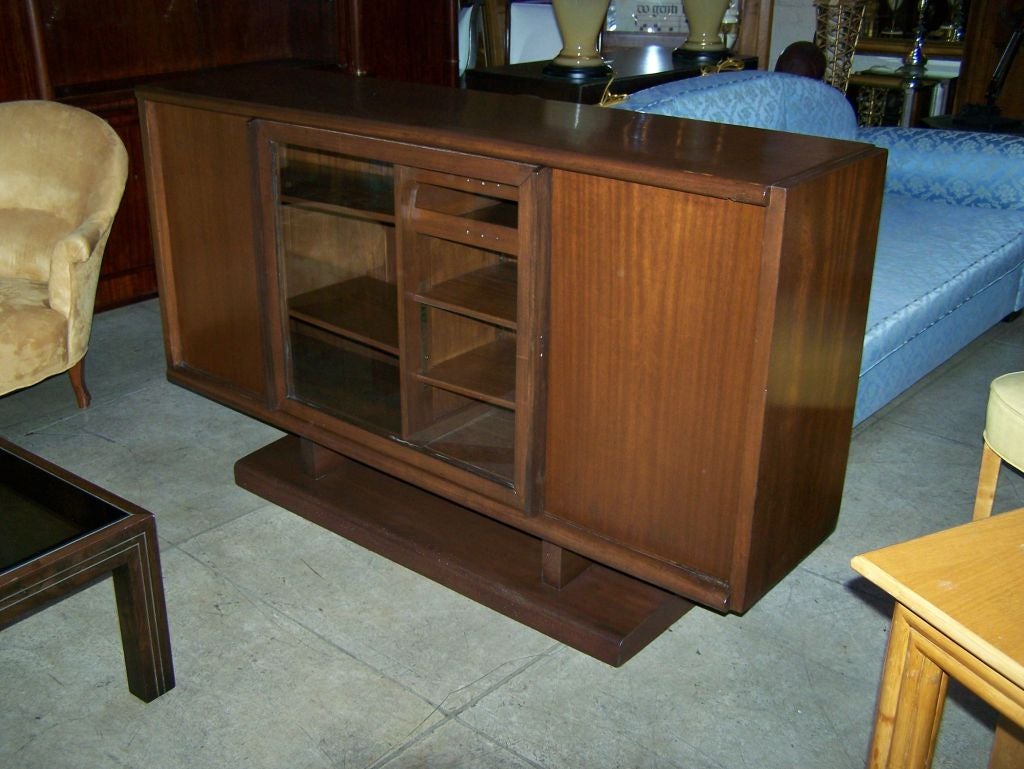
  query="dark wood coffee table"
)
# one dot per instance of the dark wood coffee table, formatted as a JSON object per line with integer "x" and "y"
{"x": 60, "y": 534}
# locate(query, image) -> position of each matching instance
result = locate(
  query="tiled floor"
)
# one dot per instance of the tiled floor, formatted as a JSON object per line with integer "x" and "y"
{"x": 294, "y": 648}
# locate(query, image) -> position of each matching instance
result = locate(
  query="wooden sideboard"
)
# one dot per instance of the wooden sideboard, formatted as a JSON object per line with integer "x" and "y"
{"x": 583, "y": 365}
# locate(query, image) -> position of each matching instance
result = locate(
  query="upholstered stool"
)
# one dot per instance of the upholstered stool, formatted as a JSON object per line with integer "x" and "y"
{"x": 1004, "y": 437}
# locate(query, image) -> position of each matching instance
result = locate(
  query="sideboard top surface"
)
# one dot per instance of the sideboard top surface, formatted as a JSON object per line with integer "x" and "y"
{"x": 710, "y": 158}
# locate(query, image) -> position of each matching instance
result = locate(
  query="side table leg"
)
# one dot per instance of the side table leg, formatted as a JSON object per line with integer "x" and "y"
{"x": 910, "y": 702}
{"x": 142, "y": 612}
{"x": 1007, "y": 746}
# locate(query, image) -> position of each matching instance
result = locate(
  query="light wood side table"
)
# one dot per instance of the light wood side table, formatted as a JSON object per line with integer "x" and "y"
{"x": 960, "y": 613}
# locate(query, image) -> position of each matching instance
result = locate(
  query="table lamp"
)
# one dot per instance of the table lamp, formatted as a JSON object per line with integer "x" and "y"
{"x": 580, "y": 23}
{"x": 704, "y": 40}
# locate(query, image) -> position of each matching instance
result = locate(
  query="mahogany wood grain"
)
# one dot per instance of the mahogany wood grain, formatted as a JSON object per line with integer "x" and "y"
{"x": 814, "y": 297}
{"x": 22, "y": 69}
{"x": 989, "y": 26}
{"x": 649, "y": 357}
{"x": 201, "y": 194}
{"x": 689, "y": 315}
{"x": 399, "y": 40}
{"x": 77, "y": 376}
{"x": 710, "y": 159}
{"x": 488, "y": 293}
{"x": 559, "y": 566}
{"x": 104, "y": 41}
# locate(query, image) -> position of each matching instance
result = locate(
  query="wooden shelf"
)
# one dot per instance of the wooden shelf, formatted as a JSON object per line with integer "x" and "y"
{"x": 488, "y": 294}
{"x": 480, "y": 440}
{"x": 486, "y": 373}
{"x": 363, "y": 309}
{"x": 339, "y": 191}
{"x": 491, "y": 227}
{"x": 899, "y": 46}
{"x": 341, "y": 378}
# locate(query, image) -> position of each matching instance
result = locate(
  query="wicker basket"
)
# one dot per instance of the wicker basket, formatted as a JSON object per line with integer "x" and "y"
{"x": 836, "y": 31}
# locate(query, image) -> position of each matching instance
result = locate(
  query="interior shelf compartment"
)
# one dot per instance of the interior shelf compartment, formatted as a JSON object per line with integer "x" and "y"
{"x": 486, "y": 373}
{"x": 481, "y": 221}
{"x": 487, "y": 294}
{"x": 479, "y": 439}
{"x": 346, "y": 379}
{"x": 364, "y": 309}
{"x": 338, "y": 190}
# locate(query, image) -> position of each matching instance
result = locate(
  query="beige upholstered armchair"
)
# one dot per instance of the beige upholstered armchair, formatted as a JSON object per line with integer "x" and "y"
{"x": 62, "y": 174}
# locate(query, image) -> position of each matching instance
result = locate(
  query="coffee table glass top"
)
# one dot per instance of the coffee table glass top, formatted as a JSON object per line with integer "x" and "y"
{"x": 39, "y": 512}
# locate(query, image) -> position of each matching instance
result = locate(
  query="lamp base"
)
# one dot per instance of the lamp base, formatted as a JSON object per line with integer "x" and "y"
{"x": 704, "y": 56}
{"x": 577, "y": 73}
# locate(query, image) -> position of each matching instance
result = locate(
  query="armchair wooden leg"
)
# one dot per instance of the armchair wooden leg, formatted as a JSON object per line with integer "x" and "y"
{"x": 77, "y": 375}
{"x": 987, "y": 478}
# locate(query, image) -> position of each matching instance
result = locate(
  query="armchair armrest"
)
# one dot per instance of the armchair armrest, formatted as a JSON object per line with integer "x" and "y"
{"x": 965, "y": 168}
{"x": 74, "y": 275}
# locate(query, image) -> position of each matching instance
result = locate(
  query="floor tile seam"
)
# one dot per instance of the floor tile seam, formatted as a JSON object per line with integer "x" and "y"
{"x": 280, "y": 614}
{"x": 508, "y": 749}
{"x": 710, "y": 758}
{"x": 190, "y": 538}
{"x": 61, "y": 417}
{"x": 419, "y": 734}
{"x": 974, "y": 442}
{"x": 37, "y": 427}
{"x": 854, "y": 583}
{"x": 530, "y": 661}
{"x": 825, "y": 714}
{"x": 1004, "y": 342}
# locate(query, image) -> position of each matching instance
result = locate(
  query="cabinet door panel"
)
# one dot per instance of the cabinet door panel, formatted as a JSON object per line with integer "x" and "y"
{"x": 650, "y": 349}
{"x": 201, "y": 188}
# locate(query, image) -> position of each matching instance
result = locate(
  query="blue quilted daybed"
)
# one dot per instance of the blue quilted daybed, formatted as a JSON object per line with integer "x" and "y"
{"x": 950, "y": 256}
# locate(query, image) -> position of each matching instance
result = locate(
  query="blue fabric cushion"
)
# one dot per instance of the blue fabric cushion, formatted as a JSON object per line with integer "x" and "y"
{"x": 950, "y": 255}
{"x": 964, "y": 168}
{"x": 753, "y": 98}
{"x": 933, "y": 257}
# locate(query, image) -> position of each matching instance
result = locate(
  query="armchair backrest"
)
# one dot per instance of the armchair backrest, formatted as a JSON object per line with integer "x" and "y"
{"x": 61, "y": 160}
{"x": 754, "y": 98}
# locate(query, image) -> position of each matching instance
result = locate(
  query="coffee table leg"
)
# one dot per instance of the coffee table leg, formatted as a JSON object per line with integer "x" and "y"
{"x": 142, "y": 612}
{"x": 910, "y": 701}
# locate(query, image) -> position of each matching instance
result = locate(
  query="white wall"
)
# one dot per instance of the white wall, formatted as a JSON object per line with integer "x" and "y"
{"x": 792, "y": 20}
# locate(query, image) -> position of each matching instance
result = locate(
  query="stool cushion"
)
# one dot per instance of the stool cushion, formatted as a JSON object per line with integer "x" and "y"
{"x": 1004, "y": 423}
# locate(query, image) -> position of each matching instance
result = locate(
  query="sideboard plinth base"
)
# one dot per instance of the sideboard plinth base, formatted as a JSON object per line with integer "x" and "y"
{"x": 601, "y": 612}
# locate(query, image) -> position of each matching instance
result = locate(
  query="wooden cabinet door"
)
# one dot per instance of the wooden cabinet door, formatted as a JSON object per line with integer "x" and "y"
{"x": 405, "y": 300}
{"x": 651, "y": 364}
{"x": 201, "y": 183}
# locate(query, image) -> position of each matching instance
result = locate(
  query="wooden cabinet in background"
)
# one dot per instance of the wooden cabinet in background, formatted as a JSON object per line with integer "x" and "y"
{"x": 92, "y": 53}
{"x": 989, "y": 27}
{"x": 583, "y": 365}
